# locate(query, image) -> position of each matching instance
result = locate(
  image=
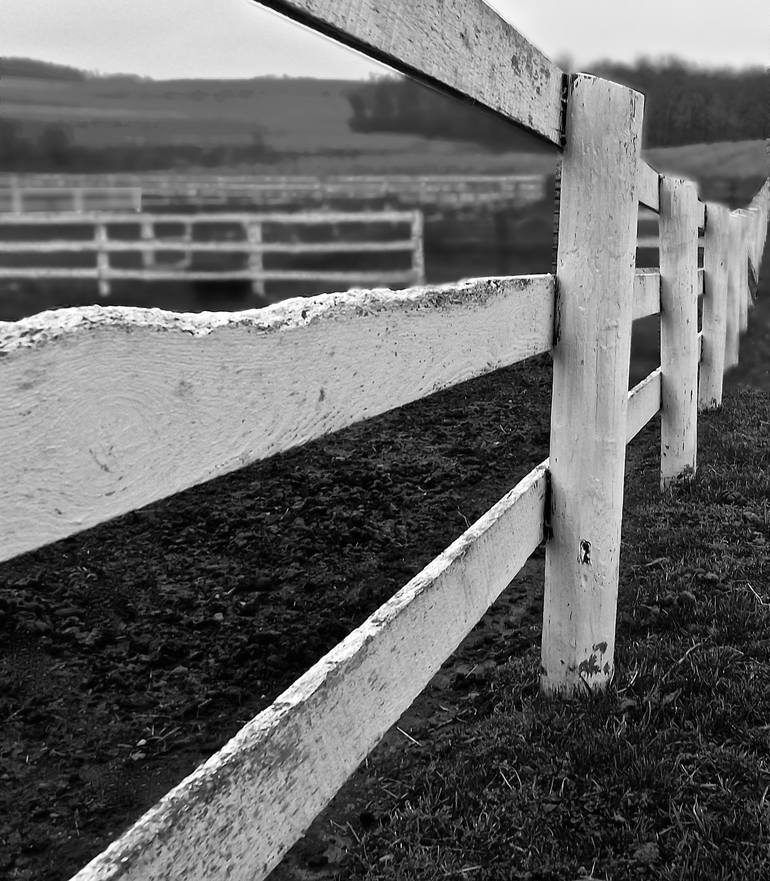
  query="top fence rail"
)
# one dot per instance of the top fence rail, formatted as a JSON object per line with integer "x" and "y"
{"x": 461, "y": 46}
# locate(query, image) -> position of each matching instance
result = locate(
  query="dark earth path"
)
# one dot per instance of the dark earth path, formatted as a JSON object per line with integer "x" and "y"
{"x": 130, "y": 653}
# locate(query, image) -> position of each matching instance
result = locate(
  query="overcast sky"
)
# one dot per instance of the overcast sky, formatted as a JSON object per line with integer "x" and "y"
{"x": 238, "y": 38}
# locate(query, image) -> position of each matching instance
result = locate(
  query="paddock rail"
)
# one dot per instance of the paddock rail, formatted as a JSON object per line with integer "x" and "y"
{"x": 124, "y": 387}
{"x": 149, "y": 192}
{"x": 149, "y": 243}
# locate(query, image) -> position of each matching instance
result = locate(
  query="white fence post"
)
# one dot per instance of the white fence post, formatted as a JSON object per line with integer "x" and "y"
{"x": 17, "y": 198}
{"x": 418, "y": 251}
{"x": 186, "y": 261}
{"x": 733, "y": 333}
{"x": 745, "y": 296}
{"x": 678, "y": 329}
{"x": 148, "y": 234}
{"x": 254, "y": 236}
{"x": 102, "y": 260}
{"x": 715, "y": 244}
{"x": 591, "y": 353}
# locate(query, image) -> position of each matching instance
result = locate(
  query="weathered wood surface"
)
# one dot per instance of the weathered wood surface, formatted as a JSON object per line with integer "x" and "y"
{"x": 460, "y": 44}
{"x": 646, "y": 293}
{"x": 714, "y": 307}
{"x": 592, "y": 342}
{"x": 104, "y": 410}
{"x": 761, "y": 202}
{"x": 734, "y": 293}
{"x": 652, "y": 242}
{"x": 700, "y": 214}
{"x": 678, "y": 328}
{"x": 759, "y": 217}
{"x": 643, "y": 403}
{"x": 743, "y": 281}
{"x": 236, "y": 815}
{"x": 647, "y": 183}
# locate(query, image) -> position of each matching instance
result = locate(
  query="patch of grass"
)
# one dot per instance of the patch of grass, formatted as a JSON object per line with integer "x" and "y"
{"x": 667, "y": 774}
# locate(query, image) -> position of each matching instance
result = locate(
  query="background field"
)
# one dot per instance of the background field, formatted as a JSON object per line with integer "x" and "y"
{"x": 285, "y": 126}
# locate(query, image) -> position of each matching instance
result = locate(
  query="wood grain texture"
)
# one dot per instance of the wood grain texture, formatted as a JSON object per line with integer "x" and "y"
{"x": 103, "y": 411}
{"x": 678, "y": 328}
{"x": 595, "y": 272}
{"x": 462, "y": 45}
{"x": 237, "y": 814}
{"x": 647, "y": 183}
{"x": 714, "y": 322}
{"x": 646, "y": 293}
{"x": 643, "y": 403}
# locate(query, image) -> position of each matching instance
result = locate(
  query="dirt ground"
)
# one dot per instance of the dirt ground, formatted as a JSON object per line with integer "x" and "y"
{"x": 131, "y": 652}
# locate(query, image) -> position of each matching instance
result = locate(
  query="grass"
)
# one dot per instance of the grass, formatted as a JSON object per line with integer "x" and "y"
{"x": 667, "y": 774}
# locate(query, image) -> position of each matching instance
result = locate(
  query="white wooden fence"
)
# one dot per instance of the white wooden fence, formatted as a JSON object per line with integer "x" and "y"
{"x": 22, "y": 198}
{"x": 149, "y": 243}
{"x": 145, "y": 404}
{"x": 152, "y": 191}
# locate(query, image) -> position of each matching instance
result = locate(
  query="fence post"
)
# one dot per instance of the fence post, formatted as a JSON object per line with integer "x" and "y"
{"x": 715, "y": 243}
{"x": 592, "y": 343}
{"x": 745, "y": 296}
{"x": 186, "y": 262}
{"x": 78, "y": 203}
{"x": 17, "y": 198}
{"x": 678, "y": 329}
{"x": 418, "y": 252}
{"x": 102, "y": 260}
{"x": 147, "y": 234}
{"x": 256, "y": 267}
{"x": 732, "y": 332}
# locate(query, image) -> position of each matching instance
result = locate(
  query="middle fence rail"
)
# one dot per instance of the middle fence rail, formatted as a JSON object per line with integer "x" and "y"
{"x": 228, "y": 233}
{"x": 104, "y": 410}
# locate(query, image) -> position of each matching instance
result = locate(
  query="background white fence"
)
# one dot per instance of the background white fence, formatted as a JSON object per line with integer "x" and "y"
{"x": 23, "y": 198}
{"x": 149, "y": 192}
{"x": 150, "y": 243}
{"x": 145, "y": 404}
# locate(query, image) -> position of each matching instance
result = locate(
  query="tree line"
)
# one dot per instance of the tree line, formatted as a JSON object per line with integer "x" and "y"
{"x": 53, "y": 148}
{"x": 684, "y": 105}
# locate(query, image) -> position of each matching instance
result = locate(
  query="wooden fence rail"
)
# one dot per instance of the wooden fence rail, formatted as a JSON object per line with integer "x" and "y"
{"x": 150, "y": 192}
{"x": 150, "y": 242}
{"x": 147, "y": 403}
{"x": 23, "y": 198}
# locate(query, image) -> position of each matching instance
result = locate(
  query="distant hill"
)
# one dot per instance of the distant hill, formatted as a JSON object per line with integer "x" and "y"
{"x": 55, "y": 118}
{"x": 58, "y": 118}
{"x": 41, "y": 70}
